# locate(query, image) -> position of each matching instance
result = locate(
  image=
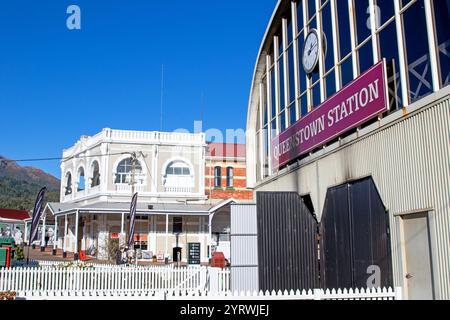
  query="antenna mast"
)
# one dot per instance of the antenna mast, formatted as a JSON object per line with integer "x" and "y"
{"x": 162, "y": 96}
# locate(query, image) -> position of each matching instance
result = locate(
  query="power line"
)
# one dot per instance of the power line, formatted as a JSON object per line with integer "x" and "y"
{"x": 63, "y": 158}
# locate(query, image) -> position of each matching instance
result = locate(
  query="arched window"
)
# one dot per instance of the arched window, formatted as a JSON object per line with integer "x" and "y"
{"x": 178, "y": 177}
{"x": 217, "y": 177}
{"x": 95, "y": 180}
{"x": 81, "y": 182}
{"x": 230, "y": 177}
{"x": 123, "y": 172}
{"x": 178, "y": 168}
{"x": 68, "y": 186}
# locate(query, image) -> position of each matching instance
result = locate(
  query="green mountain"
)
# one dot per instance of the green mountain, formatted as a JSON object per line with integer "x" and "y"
{"x": 19, "y": 185}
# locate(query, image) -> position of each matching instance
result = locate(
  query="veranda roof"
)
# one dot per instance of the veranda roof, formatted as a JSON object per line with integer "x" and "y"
{"x": 56, "y": 208}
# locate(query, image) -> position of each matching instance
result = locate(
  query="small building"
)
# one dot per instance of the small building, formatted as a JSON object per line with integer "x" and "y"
{"x": 226, "y": 179}
{"x": 13, "y": 223}
{"x": 226, "y": 174}
{"x": 100, "y": 174}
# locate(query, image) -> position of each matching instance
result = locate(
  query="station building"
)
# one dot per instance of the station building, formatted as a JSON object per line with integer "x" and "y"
{"x": 348, "y": 133}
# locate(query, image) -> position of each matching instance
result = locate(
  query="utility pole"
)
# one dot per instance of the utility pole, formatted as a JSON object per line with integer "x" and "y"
{"x": 132, "y": 182}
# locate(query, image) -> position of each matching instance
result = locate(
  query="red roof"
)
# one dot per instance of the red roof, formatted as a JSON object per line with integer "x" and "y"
{"x": 14, "y": 214}
{"x": 226, "y": 150}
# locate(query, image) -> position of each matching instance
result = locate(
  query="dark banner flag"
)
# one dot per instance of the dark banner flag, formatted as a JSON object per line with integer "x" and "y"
{"x": 37, "y": 215}
{"x": 132, "y": 220}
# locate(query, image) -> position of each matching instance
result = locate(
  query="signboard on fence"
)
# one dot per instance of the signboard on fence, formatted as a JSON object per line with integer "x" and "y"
{"x": 194, "y": 253}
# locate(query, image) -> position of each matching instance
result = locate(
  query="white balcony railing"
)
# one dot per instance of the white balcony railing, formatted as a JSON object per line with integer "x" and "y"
{"x": 184, "y": 190}
{"x": 145, "y": 137}
{"x": 126, "y": 188}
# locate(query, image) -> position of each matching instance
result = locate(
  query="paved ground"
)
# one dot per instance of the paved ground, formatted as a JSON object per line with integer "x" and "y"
{"x": 36, "y": 254}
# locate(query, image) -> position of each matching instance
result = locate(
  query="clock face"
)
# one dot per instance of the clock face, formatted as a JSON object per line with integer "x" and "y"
{"x": 311, "y": 51}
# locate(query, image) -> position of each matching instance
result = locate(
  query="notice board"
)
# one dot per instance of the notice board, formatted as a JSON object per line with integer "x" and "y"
{"x": 193, "y": 253}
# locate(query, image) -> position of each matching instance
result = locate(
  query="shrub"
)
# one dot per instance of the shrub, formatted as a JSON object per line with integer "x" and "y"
{"x": 113, "y": 249}
{"x": 8, "y": 295}
{"x": 19, "y": 253}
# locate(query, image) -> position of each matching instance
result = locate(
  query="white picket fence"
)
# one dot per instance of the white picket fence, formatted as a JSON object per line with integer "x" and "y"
{"x": 41, "y": 263}
{"x": 317, "y": 294}
{"x": 103, "y": 282}
{"x": 106, "y": 278}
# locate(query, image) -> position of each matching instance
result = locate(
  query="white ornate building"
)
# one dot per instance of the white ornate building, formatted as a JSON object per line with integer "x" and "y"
{"x": 96, "y": 190}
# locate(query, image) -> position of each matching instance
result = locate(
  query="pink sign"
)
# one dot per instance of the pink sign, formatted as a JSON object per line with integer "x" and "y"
{"x": 362, "y": 99}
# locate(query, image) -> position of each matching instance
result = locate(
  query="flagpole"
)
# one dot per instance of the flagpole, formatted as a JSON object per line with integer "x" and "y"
{"x": 35, "y": 219}
{"x": 133, "y": 171}
{"x": 28, "y": 254}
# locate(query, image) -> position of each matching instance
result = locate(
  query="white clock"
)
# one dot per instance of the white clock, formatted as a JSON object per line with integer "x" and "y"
{"x": 310, "y": 56}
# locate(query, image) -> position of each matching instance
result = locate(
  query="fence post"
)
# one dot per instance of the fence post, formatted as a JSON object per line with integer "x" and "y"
{"x": 398, "y": 293}
{"x": 213, "y": 279}
{"x": 318, "y": 294}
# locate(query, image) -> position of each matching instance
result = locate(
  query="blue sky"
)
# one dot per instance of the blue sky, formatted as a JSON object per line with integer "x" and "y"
{"x": 57, "y": 84}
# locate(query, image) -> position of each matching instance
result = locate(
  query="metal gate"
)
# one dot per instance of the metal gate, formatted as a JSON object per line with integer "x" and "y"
{"x": 355, "y": 243}
{"x": 287, "y": 244}
{"x": 244, "y": 248}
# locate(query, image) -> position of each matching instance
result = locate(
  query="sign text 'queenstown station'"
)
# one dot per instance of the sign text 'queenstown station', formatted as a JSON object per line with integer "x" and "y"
{"x": 361, "y": 100}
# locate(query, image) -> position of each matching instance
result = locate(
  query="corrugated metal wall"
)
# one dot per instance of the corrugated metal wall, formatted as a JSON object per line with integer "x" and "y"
{"x": 287, "y": 243}
{"x": 244, "y": 248}
{"x": 355, "y": 237}
{"x": 409, "y": 161}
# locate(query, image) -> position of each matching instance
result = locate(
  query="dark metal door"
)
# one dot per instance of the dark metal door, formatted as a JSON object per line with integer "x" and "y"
{"x": 287, "y": 243}
{"x": 355, "y": 242}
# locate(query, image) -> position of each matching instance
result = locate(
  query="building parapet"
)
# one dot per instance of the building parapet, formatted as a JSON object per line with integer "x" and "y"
{"x": 135, "y": 137}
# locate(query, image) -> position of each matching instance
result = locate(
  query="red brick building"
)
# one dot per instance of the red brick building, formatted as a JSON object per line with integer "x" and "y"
{"x": 225, "y": 174}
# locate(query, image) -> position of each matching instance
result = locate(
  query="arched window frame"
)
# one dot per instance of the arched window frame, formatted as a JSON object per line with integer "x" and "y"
{"x": 190, "y": 179}
{"x": 141, "y": 179}
{"x": 94, "y": 181}
{"x": 78, "y": 177}
{"x": 68, "y": 187}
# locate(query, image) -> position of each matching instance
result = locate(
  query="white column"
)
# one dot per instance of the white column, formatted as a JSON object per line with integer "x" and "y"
{"x": 76, "y": 234}
{"x": 269, "y": 110}
{"x": 83, "y": 240}
{"x": 91, "y": 232}
{"x": 153, "y": 238}
{"x": 43, "y": 232}
{"x": 25, "y": 236}
{"x": 296, "y": 61}
{"x": 149, "y": 233}
{"x": 210, "y": 234}
{"x": 65, "y": 234}
{"x": 122, "y": 236}
{"x": 335, "y": 42}
{"x": 402, "y": 57}
{"x": 55, "y": 235}
{"x": 432, "y": 45}
{"x": 374, "y": 26}
{"x": 353, "y": 37}
{"x": 322, "y": 84}
{"x": 167, "y": 235}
